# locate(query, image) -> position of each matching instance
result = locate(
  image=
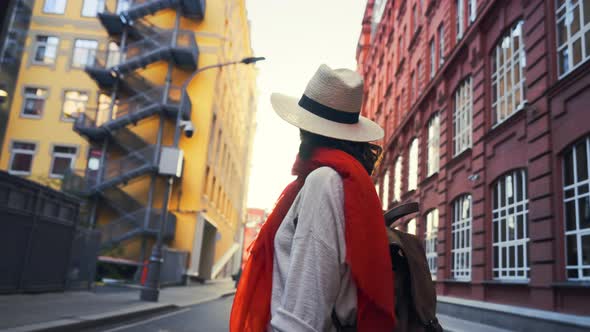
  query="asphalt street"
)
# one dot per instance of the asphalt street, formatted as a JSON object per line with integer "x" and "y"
{"x": 206, "y": 317}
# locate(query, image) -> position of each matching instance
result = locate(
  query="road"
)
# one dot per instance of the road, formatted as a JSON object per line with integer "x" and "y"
{"x": 207, "y": 317}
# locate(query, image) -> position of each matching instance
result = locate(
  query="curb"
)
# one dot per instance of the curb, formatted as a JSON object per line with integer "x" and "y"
{"x": 75, "y": 324}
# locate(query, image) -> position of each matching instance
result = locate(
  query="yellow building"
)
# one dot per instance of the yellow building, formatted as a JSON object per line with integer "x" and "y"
{"x": 120, "y": 73}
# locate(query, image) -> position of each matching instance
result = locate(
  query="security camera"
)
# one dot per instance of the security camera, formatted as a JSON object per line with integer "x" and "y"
{"x": 188, "y": 128}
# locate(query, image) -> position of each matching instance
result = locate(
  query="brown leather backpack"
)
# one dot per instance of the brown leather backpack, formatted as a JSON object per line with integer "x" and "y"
{"x": 415, "y": 294}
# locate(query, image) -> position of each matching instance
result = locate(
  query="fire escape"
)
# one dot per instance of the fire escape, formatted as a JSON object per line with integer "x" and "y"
{"x": 134, "y": 98}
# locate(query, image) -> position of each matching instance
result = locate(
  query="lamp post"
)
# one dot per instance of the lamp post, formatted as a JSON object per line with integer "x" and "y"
{"x": 151, "y": 290}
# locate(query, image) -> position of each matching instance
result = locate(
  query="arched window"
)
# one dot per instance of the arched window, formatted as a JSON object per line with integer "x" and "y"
{"x": 411, "y": 228}
{"x": 413, "y": 165}
{"x": 573, "y": 26}
{"x": 433, "y": 145}
{"x": 510, "y": 227}
{"x": 385, "y": 196}
{"x": 461, "y": 230}
{"x": 397, "y": 180}
{"x": 430, "y": 238}
{"x": 508, "y": 80}
{"x": 462, "y": 117}
{"x": 576, "y": 200}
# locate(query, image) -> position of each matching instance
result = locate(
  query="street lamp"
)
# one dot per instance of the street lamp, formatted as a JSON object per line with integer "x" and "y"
{"x": 151, "y": 290}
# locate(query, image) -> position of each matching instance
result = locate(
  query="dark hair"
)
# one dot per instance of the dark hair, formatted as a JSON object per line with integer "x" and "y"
{"x": 367, "y": 154}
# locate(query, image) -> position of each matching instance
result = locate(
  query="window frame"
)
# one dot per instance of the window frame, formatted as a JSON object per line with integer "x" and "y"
{"x": 463, "y": 227}
{"x": 463, "y": 117}
{"x": 22, "y": 151}
{"x": 397, "y": 179}
{"x": 46, "y": 11}
{"x": 430, "y": 241}
{"x": 54, "y": 155}
{"x": 441, "y": 45}
{"x": 413, "y": 162}
{"x": 502, "y": 70}
{"x": 502, "y": 212}
{"x": 45, "y": 44}
{"x": 575, "y": 187}
{"x": 582, "y": 35}
{"x": 414, "y": 226}
{"x": 35, "y": 97}
{"x": 99, "y": 4}
{"x": 90, "y": 53}
{"x": 65, "y": 99}
{"x": 433, "y": 145}
{"x": 432, "y": 58}
{"x": 385, "y": 195}
{"x": 460, "y": 18}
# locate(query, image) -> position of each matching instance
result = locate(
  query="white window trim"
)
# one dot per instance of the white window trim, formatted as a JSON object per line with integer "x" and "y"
{"x": 473, "y": 10}
{"x": 89, "y": 52}
{"x": 412, "y": 226}
{"x": 22, "y": 151}
{"x": 432, "y": 58}
{"x": 578, "y": 233}
{"x": 430, "y": 238}
{"x": 46, "y": 10}
{"x": 520, "y": 269}
{"x": 441, "y": 45}
{"x": 100, "y": 6}
{"x": 433, "y": 166}
{"x": 385, "y": 200}
{"x": 569, "y": 44}
{"x": 460, "y": 19}
{"x": 73, "y": 156}
{"x": 413, "y": 162}
{"x": 463, "y": 118}
{"x": 397, "y": 179}
{"x": 505, "y": 70}
{"x": 461, "y": 226}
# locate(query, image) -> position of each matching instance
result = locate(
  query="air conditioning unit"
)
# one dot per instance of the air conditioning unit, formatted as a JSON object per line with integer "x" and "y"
{"x": 171, "y": 161}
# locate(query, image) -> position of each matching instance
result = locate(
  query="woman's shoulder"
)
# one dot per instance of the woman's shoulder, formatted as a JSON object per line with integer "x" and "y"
{"x": 322, "y": 177}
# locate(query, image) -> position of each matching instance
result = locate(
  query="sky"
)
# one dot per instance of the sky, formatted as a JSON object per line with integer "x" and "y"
{"x": 295, "y": 36}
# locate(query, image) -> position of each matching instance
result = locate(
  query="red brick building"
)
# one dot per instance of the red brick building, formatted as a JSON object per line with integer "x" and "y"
{"x": 486, "y": 109}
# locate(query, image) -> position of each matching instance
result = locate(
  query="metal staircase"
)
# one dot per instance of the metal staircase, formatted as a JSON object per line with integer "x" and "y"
{"x": 95, "y": 124}
{"x": 133, "y": 224}
{"x": 164, "y": 45}
{"x": 114, "y": 21}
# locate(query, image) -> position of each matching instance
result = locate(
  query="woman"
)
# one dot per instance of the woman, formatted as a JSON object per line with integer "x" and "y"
{"x": 321, "y": 260}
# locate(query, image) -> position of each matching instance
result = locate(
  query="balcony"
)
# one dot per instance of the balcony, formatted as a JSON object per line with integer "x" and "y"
{"x": 106, "y": 66}
{"x": 95, "y": 124}
{"x": 114, "y": 20}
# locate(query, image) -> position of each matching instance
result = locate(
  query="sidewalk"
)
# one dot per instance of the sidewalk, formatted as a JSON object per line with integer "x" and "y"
{"x": 76, "y": 310}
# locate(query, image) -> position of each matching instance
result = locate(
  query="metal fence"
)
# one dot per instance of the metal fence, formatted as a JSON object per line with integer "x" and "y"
{"x": 82, "y": 268}
{"x": 37, "y": 230}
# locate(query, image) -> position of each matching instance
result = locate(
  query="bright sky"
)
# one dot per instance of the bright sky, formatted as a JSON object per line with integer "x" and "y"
{"x": 295, "y": 36}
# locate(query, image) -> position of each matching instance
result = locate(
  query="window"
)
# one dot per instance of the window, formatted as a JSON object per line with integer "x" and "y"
{"x": 104, "y": 104}
{"x": 576, "y": 200}
{"x": 21, "y": 158}
{"x": 113, "y": 55}
{"x": 461, "y": 230}
{"x": 510, "y": 223}
{"x": 411, "y": 228}
{"x": 54, "y": 6}
{"x": 397, "y": 180}
{"x": 460, "y": 18}
{"x": 462, "y": 117}
{"x": 74, "y": 103}
{"x": 62, "y": 160}
{"x": 84, "y": 53}
{"x": 441, "y": 45}
{"x": 418, "y": 77}
{"x": 34, "y": 102}
{"x": 386, "y": 190}
{"x": 415, "y": 15}
{"x": 46, "y": 49}
{"x": 508, "y": 82}
{"x": 123, "y": 5}
{"x": 432, "y": 58}
{"x": 92, "y": 7}
{"x": 433, "y": 145}
{"x": 430, "y": 240}
{"x": 413, "y": 89}
{"x": 413, "y": 165}
{"x": 573, "y": 34}
{"x": 472, "y": 10}
{"x": 378, "y": 10}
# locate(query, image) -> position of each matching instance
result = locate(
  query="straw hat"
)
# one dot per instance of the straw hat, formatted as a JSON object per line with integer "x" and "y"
{"x": 330, "y": 106}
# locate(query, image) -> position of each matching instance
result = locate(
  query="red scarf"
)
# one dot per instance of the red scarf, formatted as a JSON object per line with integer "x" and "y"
{"x": 367, "y": 251}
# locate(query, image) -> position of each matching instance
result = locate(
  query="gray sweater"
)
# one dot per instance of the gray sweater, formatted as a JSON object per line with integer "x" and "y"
{"x": 310, "y": 276}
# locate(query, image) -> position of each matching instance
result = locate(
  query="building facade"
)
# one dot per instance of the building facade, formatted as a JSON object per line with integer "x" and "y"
{"x": 484, "y": 108}
{"x": 110, "y": 93}
{"x": 254, "y": 220}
